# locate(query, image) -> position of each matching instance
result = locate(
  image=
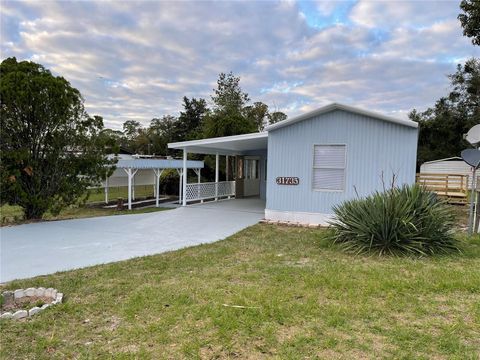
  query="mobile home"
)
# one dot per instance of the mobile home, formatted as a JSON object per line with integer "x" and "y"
{"x": 302, "y": 167}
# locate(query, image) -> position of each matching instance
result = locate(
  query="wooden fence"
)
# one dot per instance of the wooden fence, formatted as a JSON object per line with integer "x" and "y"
{"x": 454, "y": 187}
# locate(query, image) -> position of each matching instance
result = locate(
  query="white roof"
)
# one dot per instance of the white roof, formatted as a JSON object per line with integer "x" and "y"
{"x": 225, "y": 145}
{"x": 446, "y": 159}
{"x": 337, "y": 106}
{"x": 158, "y": 164}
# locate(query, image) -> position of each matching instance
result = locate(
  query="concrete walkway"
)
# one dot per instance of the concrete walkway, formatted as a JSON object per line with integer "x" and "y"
{"x": 47, "y": 247}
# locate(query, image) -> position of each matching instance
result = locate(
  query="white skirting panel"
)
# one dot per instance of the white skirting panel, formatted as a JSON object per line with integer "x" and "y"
{"x": 299, "y": 217}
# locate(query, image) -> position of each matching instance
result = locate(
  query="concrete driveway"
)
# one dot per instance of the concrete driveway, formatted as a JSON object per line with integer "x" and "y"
{"x": 47, "y": 247}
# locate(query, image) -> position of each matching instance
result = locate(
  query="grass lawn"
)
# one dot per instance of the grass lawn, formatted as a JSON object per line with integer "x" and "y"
{"x": 13, "y": 214}
{"x": 98, "y": 195}
{"x": 302, "y": 299}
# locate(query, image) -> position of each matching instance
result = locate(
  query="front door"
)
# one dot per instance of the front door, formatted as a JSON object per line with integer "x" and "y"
{"x": 251, "y": 182}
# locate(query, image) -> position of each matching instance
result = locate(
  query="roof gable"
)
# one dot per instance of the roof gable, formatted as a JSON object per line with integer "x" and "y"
{"x": 337, "y": 106}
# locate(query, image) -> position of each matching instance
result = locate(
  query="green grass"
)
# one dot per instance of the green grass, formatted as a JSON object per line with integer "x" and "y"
{"x": 303, "y": 299}
{"x": 98, "y": 195}
{"x": 14, "y": 215}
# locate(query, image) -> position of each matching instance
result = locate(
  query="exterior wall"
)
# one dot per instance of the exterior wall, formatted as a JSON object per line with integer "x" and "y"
{"x": 263, "y": 156}
{"x": 375, "y": 149}
{"x": 449, "y": 167}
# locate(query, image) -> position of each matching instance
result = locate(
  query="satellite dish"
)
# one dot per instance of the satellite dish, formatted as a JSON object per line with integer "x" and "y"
{"x": 471, "y": 157}
{"x": 473, "y": 135}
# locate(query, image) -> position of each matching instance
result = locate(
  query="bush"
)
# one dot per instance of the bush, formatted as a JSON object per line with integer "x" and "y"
{"x": 406, "y": 220}
{"x": 169, "y": 182}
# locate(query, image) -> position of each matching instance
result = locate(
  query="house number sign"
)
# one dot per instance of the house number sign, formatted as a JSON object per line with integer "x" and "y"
{"x": 287, "y": 180}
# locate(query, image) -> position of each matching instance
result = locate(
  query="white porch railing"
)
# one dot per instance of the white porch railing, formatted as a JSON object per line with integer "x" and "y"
{"x": 210, "y": 190}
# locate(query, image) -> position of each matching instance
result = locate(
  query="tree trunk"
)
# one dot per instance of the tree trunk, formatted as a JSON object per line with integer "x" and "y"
{"x": 32, "y": 212}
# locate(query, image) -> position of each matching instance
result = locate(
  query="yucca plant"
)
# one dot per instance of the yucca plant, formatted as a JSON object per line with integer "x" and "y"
{"x": 408, "y": 220}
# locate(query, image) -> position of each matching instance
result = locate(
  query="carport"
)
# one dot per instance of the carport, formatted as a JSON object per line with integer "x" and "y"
{"x": 157, "y": 166}
{"x": 249, "y": 154}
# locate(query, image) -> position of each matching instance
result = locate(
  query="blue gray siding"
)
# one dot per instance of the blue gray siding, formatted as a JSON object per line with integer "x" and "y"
{"x": 376, "y": 150}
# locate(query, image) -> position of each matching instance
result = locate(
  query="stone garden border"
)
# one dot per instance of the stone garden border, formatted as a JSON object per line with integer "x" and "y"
{"x": 57, "y": 298}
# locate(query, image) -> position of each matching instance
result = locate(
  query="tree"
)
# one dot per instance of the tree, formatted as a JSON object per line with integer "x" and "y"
{"x": 131, "y": 130}
{"x": 162, "y": 131}
{"x": 258, "y": 113}
{"x": 470, "y": 19}
{"x": 229, "y": 96}
{"x": 190, "y": 121}
{"x": 228, "y": 117}
{"x": 113, "y": 138}
{"x": 276, "y": 117}
{"x": 50, "y": 148}
{"x": 442, "y": 127}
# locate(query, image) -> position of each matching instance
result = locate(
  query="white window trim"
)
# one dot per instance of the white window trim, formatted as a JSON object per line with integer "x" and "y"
{"x": 344, "y": 168}
{"x": 252, "y": 157}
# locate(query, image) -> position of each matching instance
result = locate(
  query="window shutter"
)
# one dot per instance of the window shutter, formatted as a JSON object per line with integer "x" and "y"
{"x": 329, "y": 167}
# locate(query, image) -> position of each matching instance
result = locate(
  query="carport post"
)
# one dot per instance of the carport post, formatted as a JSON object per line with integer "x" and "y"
{"x": 106, "y": 189}
{"x": 216, "y": 176}
{"x": 154, "y": 184}
{"x": 184, "y": 185}
{"x": 199, "y": 179}
{"x": 130, "y": 177}
{"x": 158, "y": 173}
{"x": 179, "y": 171}
{"x": 226, "y": 168}
{"x": 133, "y": 186}
{"x": 226, "y": 171}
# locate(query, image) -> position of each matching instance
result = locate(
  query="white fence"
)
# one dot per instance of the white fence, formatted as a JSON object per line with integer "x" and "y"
{"x": 210, "y": 190}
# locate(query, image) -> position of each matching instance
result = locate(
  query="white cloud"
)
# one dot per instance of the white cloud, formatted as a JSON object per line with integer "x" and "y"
{"x": 401, "y": 13}
{"x": 136, "y": 60}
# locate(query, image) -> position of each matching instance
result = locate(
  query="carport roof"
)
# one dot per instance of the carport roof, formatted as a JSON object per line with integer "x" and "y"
{"x": 226, "y": 145}
{"x": 158, "y": 164}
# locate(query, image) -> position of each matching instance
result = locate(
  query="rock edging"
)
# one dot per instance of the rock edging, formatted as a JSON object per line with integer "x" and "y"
{"x": 57, "y": 298}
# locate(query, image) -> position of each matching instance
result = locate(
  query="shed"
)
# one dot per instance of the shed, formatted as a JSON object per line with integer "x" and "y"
{"x": 452, "y": 166}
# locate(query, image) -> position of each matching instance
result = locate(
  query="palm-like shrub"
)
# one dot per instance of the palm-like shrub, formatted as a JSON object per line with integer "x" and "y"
{"x": 405, "y": 220}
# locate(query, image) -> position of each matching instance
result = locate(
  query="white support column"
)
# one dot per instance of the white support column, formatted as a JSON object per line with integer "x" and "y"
{"x": 158, "y": 173}
{"x": 199, "y": 180}
{"x": 180, "y": 182}
{"x": 216, "y": 176}
{"x": 133, "y": 186}
{"x": 154, "y": 183}
{"x": 106, "y": 189}
{"x": 226, "y": 168}
{"x": 184, "y": 185}
{"x": 130, "y": 175}
{"x": 226, "y": 171}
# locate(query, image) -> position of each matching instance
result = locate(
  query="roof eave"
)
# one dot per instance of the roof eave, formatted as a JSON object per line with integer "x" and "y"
{"x": 338, "y": 106}
{"x": 212, "y": 141}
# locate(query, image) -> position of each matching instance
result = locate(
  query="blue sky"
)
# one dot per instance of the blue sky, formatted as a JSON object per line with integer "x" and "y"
{"x": 136, "y": 60}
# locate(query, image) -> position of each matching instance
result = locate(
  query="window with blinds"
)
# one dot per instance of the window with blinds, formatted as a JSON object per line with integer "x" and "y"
{"x": 329, "y": 163}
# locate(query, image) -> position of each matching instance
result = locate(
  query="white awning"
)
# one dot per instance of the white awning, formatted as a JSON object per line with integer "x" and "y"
{"x": 157, "y": 164}
{"x": 226, "y": 145}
